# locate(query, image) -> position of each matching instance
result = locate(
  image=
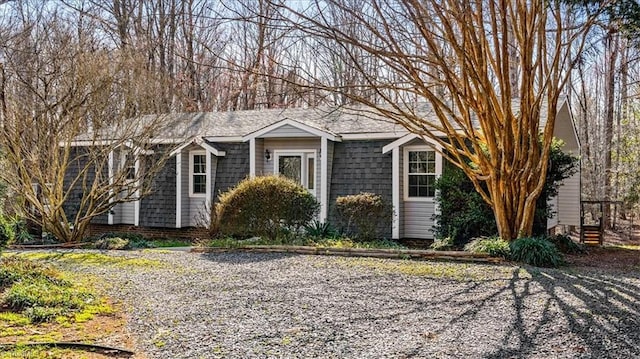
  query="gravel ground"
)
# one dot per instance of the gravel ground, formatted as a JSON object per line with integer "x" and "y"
{"x": 249, "y": 305}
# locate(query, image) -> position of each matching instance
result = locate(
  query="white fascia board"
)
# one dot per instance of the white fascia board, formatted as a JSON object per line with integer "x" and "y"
{"x": 165, "y": 141}
{"x": 399, "y": 142}
{"x": 224, "y": 138}
{"x": 137, "y": 149}
{"x": 182, "y": 146}
{"x": 406, "y": 139}
{"x": 211, "y": 149}
{"x": 86, "y": 143}
{"x": 371, "y": 135}
{"x": 296, "y": 124}
{"x": 200, "y": 142}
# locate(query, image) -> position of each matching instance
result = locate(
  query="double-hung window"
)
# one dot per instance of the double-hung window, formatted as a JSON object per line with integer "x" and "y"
{"x": 198, "y": 181}
{"x": 420, "y": 173}
{"x": 128, "y": 164}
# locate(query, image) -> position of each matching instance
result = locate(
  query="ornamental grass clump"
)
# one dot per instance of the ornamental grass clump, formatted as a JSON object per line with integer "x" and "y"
{"x": 267, "y": 206}
{"x": 537, "y": 252}
{"x": 493, "y": 246}
{"x": 364, "y": 216}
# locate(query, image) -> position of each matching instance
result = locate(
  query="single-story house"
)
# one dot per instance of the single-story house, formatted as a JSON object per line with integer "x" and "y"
{"x": 331, "y": 152}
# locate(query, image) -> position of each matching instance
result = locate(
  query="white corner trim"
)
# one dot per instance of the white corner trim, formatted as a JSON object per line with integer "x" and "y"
{"x": 208, "y": 170}
{"x": 136, "y": 203}
{"x": 296, "y": 124}
{"x": 111, "y": 174}
{"x": 252, "y": 157}
{"x": 395, "y": 192}
{"x": 179, "y": 190}
{"x": 324, "y": 179}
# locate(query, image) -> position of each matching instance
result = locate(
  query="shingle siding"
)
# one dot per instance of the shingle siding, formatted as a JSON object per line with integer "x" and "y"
{"x": 360, "y": 166}
{"x": 72, "y": 204}
{"x": 158, "y": 209}
{"x": 232, "y": 168}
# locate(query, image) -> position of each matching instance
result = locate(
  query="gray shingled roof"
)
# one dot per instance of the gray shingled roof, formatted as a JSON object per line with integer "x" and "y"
{"x": 337, "y": 121}
{"x": 241, "y": 123}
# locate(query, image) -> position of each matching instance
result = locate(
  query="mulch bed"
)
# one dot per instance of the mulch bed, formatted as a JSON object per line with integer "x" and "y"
{"x": 611, "y": 256}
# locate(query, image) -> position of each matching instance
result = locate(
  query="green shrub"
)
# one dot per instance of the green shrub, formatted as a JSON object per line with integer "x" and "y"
{"x": 493, "y": 246}
{"x": 317, "y": 229}
{"x": 112, "y": 243}
{"x": 364, "y": 216}
{"x": 566, "y": 245}
{"x": 464, "y": 214}
{"x": 538, "y": 252}
{"x": 442, "y": 244}
{"x": 268, "y": 206}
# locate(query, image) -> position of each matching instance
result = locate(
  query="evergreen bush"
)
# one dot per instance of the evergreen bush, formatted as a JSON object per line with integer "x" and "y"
{"x": 536, "y": 251}
{"x": 267, "y": 206}
{"x": 364, "y": 216}
{"x": 464, "y": 214}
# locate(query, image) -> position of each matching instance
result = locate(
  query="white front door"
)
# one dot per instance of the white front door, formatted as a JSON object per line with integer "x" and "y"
{"x": 298, "y": 166}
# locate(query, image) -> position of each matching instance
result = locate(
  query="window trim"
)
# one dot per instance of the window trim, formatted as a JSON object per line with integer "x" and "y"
{"x": 192, "y": 155}
{"x": 304, "y": 163}
{"x": 405, "y": 171}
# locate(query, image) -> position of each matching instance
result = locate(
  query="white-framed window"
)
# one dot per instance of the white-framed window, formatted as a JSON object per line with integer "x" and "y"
{"x": 128, "y": 165}
{"x": 422, "y": 166}
{"x": 299, "y": 166}
{"x": 198, "y": 173}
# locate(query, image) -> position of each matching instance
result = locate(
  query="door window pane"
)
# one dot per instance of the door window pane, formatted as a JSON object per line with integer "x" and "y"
{"x": 291, "y": 167}
{"x": 311, "y": 173}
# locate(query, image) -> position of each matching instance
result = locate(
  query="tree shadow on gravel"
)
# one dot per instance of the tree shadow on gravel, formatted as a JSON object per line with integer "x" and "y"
{"x": 601, "y": 312}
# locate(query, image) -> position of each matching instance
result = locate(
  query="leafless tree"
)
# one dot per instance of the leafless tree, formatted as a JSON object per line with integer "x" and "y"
{"x": 67, "y": 108}
{"x": 459, "y": 56}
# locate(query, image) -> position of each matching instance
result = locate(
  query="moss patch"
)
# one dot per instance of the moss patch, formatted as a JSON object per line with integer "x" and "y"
{"x": 42, "y": 304}
{"x": 91, "y": 259}
{"x": 453, "y": 271}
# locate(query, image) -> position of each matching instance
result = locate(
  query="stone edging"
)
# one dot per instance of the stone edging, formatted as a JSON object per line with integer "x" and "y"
{"x": 360, "y": 252}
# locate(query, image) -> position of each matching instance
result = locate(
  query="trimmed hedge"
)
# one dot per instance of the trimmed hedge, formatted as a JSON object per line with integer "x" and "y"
{"x": 267, "y": 206}
{"x": 364, "y": 215}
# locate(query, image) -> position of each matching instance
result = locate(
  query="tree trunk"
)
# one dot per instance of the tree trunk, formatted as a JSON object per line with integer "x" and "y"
{"x": 611, "y": 43}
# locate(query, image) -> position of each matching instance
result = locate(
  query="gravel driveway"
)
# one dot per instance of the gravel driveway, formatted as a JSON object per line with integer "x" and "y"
{"x": 247, "y": 305}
